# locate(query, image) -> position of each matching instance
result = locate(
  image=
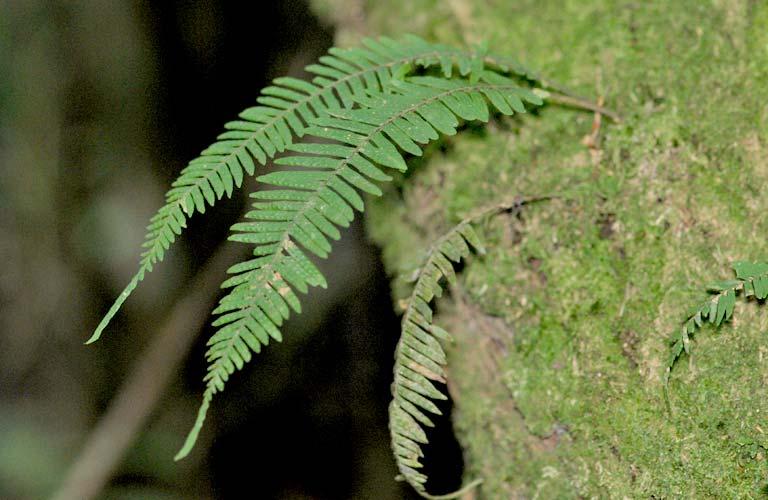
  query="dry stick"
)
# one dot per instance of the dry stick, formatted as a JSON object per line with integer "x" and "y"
{"x": 152, "y": 371}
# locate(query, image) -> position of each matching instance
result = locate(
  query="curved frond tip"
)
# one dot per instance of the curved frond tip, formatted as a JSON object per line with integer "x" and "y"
{"x": 191, "y": 439}
{"x": 420, "y": 359}
{"x": 419, "y": 356}
{"x": 115, "y": 307}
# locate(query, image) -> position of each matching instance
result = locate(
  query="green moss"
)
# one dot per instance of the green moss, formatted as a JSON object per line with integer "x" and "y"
{"x": 582, "y": 293}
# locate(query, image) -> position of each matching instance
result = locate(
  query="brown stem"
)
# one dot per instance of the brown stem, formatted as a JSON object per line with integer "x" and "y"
{"x": 152, "y": 371}
{"x": 577, "y": 102}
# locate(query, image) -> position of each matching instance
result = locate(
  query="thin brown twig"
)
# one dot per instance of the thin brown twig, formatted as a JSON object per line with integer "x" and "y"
{"x": 513, "y": 205}
{"x": 151, "y": 373}
{"x": 577, "y": 102}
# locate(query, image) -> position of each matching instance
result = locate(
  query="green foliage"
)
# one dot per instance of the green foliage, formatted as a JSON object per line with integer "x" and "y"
{"x": 286, "y": 108}
{"x": 751, "y": 281}
{"x": 680, "y": 181}
{"x": 419, "y": 356}
{"x": 364, "y": 110}
{"x": 320, "y": 193}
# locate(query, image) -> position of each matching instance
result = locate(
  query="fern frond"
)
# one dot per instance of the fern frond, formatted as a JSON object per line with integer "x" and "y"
{"x": 419, "y": 355}
{"x": 751, "y": 281}
{"x": 285, "y": 110}
{"x": 320, "y": 193}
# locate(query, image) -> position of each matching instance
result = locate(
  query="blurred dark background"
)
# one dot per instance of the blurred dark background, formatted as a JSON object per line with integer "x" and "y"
{"x": 102, "y": 103}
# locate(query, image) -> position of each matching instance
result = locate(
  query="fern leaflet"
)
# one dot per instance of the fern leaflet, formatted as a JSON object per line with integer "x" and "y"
{"x": 320, "y": 192}
{"x": 285, "y": 110}
{"x": 362, "y": 111}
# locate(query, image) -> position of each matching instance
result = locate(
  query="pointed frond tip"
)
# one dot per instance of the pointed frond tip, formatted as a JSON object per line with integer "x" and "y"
{"x": 191, "y": 439}
{"x": 285, "y": 111}
{"x": 115, "y": 307}
{"x": 751, "y": 282}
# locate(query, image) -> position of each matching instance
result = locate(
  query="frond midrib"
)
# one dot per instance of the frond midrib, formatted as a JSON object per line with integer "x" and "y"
{"x": 267, "y": 270}
{"x": 310, "y": 203}
{"x": 702, "y": 313}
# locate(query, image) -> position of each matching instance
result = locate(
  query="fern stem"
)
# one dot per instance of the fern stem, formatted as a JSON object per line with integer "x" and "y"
{"x": 509, "y": 66}
{"x": 455, "y": 494}
{"x": 553, "y": 91}
{"x": 579, "y": 103}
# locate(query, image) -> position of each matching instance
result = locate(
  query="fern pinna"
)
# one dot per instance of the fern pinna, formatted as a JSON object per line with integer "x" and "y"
{"x": 751, "y": 281}
{"x": 362, "y": 111}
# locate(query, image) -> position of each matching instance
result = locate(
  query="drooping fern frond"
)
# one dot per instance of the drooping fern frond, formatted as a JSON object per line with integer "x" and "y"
{"x": 751, "y": 281}
{"x": 419, "y": 356}
{"x": 319, "y": 193}
{"x": 285, "y": 109}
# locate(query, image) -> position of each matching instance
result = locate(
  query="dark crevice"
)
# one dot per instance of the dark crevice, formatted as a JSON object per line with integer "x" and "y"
{"x": 443, "y": 459}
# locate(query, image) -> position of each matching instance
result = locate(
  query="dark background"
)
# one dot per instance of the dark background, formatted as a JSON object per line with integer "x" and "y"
{"x": 102, "y": 103}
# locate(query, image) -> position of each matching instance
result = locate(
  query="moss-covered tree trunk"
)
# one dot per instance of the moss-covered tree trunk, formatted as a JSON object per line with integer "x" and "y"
{"x": 562, "y": 329}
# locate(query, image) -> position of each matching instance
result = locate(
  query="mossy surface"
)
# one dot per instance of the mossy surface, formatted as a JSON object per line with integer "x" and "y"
{"x": 562, "y": 327}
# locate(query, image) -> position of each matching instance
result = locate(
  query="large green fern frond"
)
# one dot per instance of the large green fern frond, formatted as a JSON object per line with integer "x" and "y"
{"x": 285, "y": 110}
{"x": 319, "y": 193}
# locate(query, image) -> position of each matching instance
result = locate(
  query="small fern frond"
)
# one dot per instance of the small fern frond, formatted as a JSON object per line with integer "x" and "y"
{"x": 285, "y": 110}
{"x": 320, "y": 193}
{"x": 751, "y": 281}
{"x": 419, "y": 356}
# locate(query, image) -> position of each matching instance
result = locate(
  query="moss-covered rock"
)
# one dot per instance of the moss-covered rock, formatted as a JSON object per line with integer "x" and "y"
{"x": 562, "y": 328}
